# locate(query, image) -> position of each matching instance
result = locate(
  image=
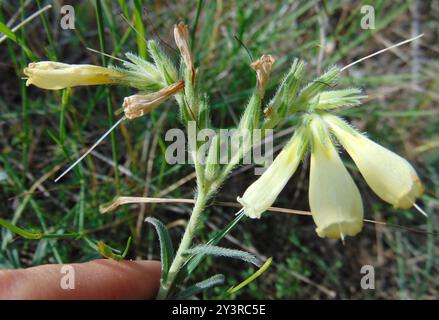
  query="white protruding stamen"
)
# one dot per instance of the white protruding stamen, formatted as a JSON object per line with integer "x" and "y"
{"x": 381, "y": 51}
{"x": 90, "y": 149}
{"x": 239, "y": 212}
{"x": 342, "y": 237}
{"x": 105, "y": 54}
{"x": 420, "y": 210}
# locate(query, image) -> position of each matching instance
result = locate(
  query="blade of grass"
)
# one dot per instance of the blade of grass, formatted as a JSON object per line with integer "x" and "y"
{"x": 101, "y": 34}
{"x": 140, "y": 34}
{"x": 252, "y": 278}
{"x": 195, "y": 26}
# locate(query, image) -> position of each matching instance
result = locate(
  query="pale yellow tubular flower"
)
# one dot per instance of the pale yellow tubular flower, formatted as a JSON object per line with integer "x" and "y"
{"x": 263, "y": 192}
{"x": 55, "y": 75}
{"x": 137, "y": 105}
{"x": 334, "y": 199}
{"x": 263, "y": 66}
{"x": 390, "y": 176}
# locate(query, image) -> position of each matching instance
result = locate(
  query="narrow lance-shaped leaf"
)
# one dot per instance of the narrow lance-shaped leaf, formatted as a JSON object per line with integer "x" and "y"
{"x": 163, "y": 63}
{"x": 325, "y": 81}
{"x": 253, "y": 277}
{"x": 224, "y": 252}
{"x": 166, "y": 249}
{"x": 36, "y": 235}
{"x": 192, "y": 263}
{"x": 200, "y": 287}
{"x": 339, "y": 98}
{"x": 11, "y": 35}
{"x": 111, "y": 253}
{"x": 286, "y": 93}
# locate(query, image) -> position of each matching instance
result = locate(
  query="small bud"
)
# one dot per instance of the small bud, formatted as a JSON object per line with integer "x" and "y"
{"x": 164, "y": 65}
{"x": 181, "y": 36}
{"x": 250, "y": 119}
{"x": 281, "y": 104}
{"x": 338, "y": 98}
{"x": 137, "y": 105}
{"x": 55, "y": 75}
{"x": 262, "y": 66}
{"x": 325, "y": 81}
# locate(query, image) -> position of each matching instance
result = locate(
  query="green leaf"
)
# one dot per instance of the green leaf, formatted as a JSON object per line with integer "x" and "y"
{"x": 251, "y": 117}
{"x": 325, "y": 81}
{"x": 107, "y": 251}
{"x": 140, "y": 28}
{"x": 25, "y": 234}
{"x": 8, "y": 32}
{"x": 5, "y": 263}
{"x": 35, "y": 235}
{"x": 11, "y": 35}
{"x": 163, "y": 63}
{"x": 200, "y": 287}
{"x": 253, "y": 277}
{"x": 192, "y": 263}
{"x": 339, "y": 98}
{"x": 206, "y": 249}
{"x": 289, "y": 87}
{"x": 166, "y": 249}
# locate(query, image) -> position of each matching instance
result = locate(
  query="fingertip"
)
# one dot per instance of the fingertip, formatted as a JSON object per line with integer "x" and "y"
{"x": 97, "y": 279}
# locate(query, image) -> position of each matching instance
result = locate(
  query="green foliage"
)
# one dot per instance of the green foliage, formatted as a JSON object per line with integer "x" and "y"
{"x": 166, "y": 248}
{"x": 41, "y": 131}
{"x": 223, "y": 252}
{"x": 200, "y": 287}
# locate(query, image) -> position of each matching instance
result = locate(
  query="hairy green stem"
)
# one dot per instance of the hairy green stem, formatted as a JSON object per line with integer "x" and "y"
{"x": 200, "y": 202}
{"x": 186, "y": 241}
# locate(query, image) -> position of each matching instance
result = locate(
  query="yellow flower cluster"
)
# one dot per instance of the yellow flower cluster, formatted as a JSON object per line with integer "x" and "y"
{"x": 334, "y": 199}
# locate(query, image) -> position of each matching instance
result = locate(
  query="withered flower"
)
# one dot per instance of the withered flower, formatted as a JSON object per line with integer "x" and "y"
{"x": 181, "y": 36}
{"x": 137, "y": 105}
{"x": 262, "y": 66}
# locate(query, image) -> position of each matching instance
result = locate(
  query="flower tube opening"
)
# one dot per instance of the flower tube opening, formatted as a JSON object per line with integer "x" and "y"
{"x": 261, "y": 194}
{"x": 390, "y": 176}
{"x": 334, "y": 199}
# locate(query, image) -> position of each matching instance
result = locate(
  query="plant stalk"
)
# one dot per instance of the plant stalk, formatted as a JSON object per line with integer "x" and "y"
{"x": 185, "y": 243}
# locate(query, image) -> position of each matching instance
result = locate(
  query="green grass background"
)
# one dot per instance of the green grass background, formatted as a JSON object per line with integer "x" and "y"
{"x": 41, "y": 131}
